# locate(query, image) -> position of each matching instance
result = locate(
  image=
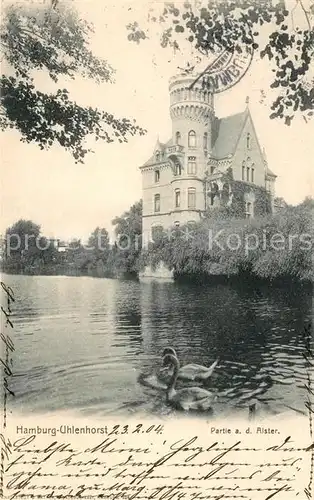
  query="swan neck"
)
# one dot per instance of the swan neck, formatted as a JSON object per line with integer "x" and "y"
{"x": 173, "y": 380}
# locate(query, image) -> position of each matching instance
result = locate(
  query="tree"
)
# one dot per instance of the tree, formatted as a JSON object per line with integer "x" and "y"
{"x": 25, "y": 247}
{"x": 52, "y": 38}
{"x": 99, "y": 245}
{"x": 21, "y": 237}
{"x": 128, "y": 232}
{"x": 230, "y": 26}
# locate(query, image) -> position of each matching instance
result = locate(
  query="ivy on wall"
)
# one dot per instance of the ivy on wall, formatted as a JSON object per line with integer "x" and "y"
{"x": 262, "y": 202}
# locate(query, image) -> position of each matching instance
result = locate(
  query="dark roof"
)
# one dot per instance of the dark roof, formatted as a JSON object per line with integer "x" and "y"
{"x": 226, "y": 132}
{"x": 225, "y": 135}
{"x": 160, "y": 146}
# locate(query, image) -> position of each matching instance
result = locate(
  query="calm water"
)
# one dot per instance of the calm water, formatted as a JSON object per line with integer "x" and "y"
{"x": 81, "y": 343}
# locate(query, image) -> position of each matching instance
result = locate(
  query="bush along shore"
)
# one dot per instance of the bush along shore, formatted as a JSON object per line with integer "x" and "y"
{"x": 222, "y": 247}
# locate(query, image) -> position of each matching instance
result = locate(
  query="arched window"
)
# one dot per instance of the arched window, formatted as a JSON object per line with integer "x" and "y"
{"x": 192, "y": 139}
{"x": 157, "y": 232}
{"x": 157, "y": 175}
{"x": 191, "y": 197}
{"x": 243, "y": 171}
{"x": 191, "y": 165}
{"x": 177, "y": 170}
{"x": 157, "y": 156}
{"x": 225, "y": 194}
{"x": 177, "y": 198}
{"x": 157, "y": 203}
{"x": 249, "y": 209}
{"x": 214, "y": 192}
{"x": 252, "y": 174}
{"x": 248, "y": 140}
{"x": 248, "y": 174}
{"x": 205, "y": 141}
{"x": 178, "y": 138}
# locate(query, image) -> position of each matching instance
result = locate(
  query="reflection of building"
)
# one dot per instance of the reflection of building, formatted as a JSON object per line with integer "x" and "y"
{"x": 208, "y": 162}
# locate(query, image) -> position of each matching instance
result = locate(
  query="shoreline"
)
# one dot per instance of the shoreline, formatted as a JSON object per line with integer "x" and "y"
{"x": 240, "y": 279}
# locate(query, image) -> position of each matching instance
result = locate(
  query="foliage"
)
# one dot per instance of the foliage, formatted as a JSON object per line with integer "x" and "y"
{"x": 25, "y": 248}
{"x": 271, "y": 247}
{"x": 128, "y": 231}
{"x": 230, "y": 26}
{"x": 99, "y": 244}
{"x": 52, "y": 38}
{"x": 97, "y": 258}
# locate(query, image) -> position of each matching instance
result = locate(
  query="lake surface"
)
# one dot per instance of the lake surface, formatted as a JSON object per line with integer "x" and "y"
{"x": 81, "y": 343}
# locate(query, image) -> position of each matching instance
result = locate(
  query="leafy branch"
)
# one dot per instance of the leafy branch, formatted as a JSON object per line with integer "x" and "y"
{"x": 54, "y": 39}
{"x": 231, "y": 26}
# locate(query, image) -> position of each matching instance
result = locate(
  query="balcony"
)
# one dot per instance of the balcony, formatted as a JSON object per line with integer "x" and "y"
{"x": 174, "y": 150}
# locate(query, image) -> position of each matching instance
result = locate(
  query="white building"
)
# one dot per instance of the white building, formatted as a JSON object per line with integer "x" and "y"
{"x": 208, "y": 162}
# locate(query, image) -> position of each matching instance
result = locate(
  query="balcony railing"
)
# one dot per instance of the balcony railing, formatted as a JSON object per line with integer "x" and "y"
{"x": 175, "y": 149}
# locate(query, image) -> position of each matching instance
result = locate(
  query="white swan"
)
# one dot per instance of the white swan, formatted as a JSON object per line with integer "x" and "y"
{"x": 188, "y": 398}
{"x": 193, "y": 371}
{"x": 154, "y": 380}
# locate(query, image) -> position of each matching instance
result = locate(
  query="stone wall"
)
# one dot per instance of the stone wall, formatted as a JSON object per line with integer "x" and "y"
{"x": 161, "y": 272}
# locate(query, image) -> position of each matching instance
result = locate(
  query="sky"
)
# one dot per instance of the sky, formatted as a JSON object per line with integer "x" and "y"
{"x": 70, "y": 200}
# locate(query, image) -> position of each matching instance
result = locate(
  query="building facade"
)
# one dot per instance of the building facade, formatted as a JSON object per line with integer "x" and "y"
{"x": 209, "y": 162}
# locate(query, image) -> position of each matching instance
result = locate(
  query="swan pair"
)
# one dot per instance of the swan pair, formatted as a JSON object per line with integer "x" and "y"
{"x": 189, "y": 398}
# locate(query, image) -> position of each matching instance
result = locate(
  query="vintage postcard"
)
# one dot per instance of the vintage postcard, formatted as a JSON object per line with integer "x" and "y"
{"x": 156, "y": 260}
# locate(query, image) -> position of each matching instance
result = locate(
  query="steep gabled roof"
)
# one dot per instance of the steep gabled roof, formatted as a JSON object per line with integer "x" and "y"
{"x": 160, "y": 146}
{"x": 226, "y": 132}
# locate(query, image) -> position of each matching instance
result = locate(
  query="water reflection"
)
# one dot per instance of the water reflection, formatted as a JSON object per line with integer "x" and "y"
{"x": 256, "y": 333}
{"x": 81, "y": 343}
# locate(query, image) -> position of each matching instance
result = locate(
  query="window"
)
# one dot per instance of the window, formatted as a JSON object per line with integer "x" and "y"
{"x": 191, "y": 167}
{"x": 177, "y": 198}
{"x": 178, "y": 138}
{"x": 243, "y": 171}
{"x": 248, "y": 140}
{"x": 191, "y": 198}
{"x": 178, "y": 169}
{"x": 157, "y": 156}
{"x": 192, "y": 139}
{"x": 157, "y": 203}
{"x": 157, "y": 232}
{"x": 248, "y": 174}
{"x": 252, "y": 174}
{"x": 225, "y": 194}
{"x": 157, "y": 175}
{"x": 212, "y": 169}
{"x": 176, "y": 223}
{"x": 249, "y": 210}
{"x": 214, "y": 193}
{"x": 205, "y": 141}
